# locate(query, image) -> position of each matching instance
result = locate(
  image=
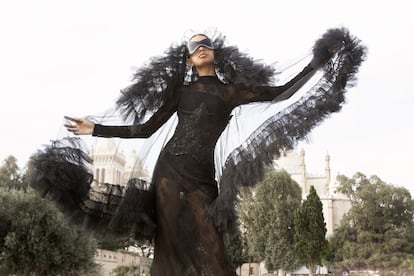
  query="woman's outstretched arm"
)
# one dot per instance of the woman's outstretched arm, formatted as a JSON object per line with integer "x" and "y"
{"x": 82, "y": 126}
{"x": 283, "y": 92}
{"x": 275, "y": 93}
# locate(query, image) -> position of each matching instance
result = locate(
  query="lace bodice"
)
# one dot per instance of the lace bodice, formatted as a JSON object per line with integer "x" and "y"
{"x": 203, "y": 113}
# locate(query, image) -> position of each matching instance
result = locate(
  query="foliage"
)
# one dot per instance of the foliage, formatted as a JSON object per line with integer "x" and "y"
{"x": 378, "y": 231}
{"x": 109, "y": 241}
{"x": 10, "y": 176}
{"x": 236, "y": 249}
{"x": 266, "y": 212}
{"x": 310, "y": 231}
{"x": 124, "y": 271}
{"x": 146, "y": 247}
{"x": 35, "y": 239}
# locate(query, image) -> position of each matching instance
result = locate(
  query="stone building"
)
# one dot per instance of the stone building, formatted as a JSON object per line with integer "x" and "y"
{"x": 335, "y": 205}
{"x": 111, "y": 165}
{"x": 110, "y": 260}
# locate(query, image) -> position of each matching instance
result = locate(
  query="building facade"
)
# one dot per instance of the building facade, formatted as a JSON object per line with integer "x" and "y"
{"x": 111, "y": 165}
{"x": 109, "y": 261}
{"x": 335, "y": 205}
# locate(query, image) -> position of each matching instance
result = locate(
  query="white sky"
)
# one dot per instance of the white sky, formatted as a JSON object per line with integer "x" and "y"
{"x": 72, "y": 58}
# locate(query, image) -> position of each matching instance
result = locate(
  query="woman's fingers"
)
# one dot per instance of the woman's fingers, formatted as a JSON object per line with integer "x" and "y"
{"x": 75, "y": 120}
{"x": 79, "y": 127}
{"x": 70, "y": 127}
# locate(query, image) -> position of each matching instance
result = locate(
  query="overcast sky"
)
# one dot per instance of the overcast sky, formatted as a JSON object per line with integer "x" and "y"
{"x": 72, "y": 57}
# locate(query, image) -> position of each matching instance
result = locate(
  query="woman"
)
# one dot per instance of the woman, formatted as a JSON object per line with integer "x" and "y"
{"x": 189, "y": 215}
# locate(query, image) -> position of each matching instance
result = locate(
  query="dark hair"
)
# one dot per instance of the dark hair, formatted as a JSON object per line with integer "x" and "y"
{"x": 198, "y": 35}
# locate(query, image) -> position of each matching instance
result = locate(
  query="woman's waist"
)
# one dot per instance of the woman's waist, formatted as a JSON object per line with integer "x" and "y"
{"x": 198, "y": 150}
{"x": 193, "y": 142}
{"x": 187, "y": 167}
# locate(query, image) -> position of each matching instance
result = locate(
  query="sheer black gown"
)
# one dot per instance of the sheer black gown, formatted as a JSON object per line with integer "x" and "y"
{"x": 182, "y": 209}
{"x": 187, "y": 241}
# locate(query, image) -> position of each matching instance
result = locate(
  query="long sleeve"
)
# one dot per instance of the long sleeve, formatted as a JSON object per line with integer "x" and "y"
{"x": 274, "y": 93}
{"x": 139, "y": 131}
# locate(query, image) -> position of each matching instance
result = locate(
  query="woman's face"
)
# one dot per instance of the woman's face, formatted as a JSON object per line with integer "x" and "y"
{"x": 202, "y": 56}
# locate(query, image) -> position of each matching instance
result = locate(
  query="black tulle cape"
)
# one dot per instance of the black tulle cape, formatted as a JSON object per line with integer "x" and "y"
{"x": 61, "y": 170}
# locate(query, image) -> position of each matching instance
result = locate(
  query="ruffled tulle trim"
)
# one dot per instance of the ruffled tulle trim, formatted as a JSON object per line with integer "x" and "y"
{"x": 60, "y": 172}
{"x": 246, "y": 165}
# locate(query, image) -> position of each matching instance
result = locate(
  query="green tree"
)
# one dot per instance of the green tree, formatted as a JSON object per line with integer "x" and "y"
{"x": 266, "y": 213}
{"x": 235, "y": 248}
{"x": 10, "y": 173}
{"x": 310, "y": 231}
{"x": 378, "y": 231}
{"x": 35, "y": 239}
{"x": 25, "y": 176}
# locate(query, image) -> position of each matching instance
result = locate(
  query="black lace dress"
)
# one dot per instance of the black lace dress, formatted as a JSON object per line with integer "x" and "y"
{"x": 187, "y": 241}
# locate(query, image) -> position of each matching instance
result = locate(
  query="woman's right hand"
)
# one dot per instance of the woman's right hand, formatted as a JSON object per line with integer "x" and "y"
{"x": 80, "y": 126}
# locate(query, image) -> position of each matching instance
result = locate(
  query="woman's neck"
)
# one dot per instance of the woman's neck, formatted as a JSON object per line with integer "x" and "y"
{"x": 206, "y": 71}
